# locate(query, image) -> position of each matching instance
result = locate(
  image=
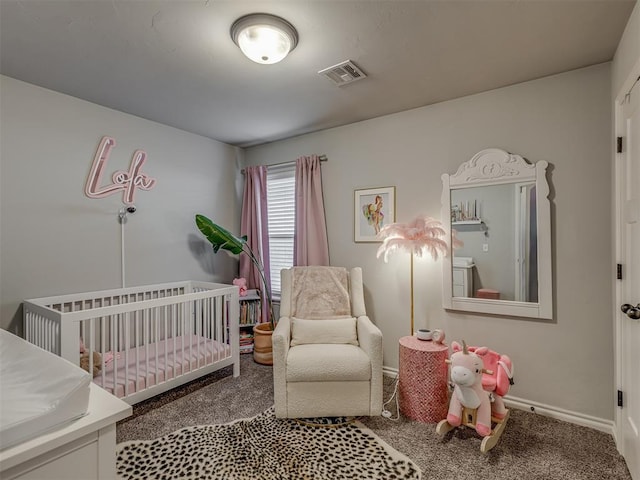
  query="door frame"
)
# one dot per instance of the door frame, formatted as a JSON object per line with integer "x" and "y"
{"x": 618, "y": 178}
{"x": 522, "y": 195}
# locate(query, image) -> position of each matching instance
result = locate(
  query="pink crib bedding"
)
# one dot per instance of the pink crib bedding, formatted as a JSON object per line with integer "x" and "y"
{"x": 168, "y": 359}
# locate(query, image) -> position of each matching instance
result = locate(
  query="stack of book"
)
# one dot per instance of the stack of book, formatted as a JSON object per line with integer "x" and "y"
{"x": 246, "y": 342}
{"x": 250, "y": 312}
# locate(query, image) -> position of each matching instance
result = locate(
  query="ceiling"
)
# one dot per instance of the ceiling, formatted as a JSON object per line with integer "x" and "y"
{"x": 174, "y": 61}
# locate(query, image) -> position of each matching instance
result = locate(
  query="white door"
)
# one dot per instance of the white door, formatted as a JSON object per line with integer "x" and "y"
{"x": 629, "y": 287}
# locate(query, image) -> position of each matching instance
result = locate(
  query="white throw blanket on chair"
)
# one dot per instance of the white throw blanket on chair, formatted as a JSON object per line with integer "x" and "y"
{"x": 330, "y": 297}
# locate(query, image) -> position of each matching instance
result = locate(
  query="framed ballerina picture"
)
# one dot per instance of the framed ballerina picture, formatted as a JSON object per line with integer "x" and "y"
{"x": 374, "y": 208}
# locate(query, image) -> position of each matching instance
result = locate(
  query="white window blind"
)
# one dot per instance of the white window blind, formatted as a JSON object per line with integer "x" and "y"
{"x": 281, "y": 216}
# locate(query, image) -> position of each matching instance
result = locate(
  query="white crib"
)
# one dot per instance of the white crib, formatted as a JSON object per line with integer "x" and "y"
{"x": 155, "y": 337}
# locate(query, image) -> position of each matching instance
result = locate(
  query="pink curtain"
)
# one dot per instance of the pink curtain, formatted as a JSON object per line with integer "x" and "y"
{"x": 253, "y": 224}
{"x": 311, "y": 246}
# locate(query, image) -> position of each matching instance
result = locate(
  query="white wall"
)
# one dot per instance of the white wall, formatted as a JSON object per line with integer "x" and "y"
{"x": 55, "y": 240}
{"x": 564, "y": 119}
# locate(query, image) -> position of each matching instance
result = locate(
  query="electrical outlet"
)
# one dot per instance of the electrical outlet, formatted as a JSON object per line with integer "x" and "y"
{"x": 485, "y": 247}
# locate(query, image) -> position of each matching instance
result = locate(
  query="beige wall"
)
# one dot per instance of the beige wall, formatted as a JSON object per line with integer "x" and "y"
{"x": 565, "y": 119}
{"x": 55, "y": 240}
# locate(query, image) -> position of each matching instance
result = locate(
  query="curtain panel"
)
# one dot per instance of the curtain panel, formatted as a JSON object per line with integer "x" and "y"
{"x": 311, "y": 246}
{"x": 254, "y": 225}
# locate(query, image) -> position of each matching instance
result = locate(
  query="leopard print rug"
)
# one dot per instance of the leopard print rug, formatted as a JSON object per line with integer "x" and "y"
{"x": 265, "y": 448}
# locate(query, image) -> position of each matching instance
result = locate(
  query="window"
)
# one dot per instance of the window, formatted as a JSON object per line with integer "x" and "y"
{"x": 281, "y": 186}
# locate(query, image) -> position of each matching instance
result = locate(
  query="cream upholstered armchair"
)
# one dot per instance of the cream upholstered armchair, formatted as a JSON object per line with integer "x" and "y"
{"x": 327, "y": 354}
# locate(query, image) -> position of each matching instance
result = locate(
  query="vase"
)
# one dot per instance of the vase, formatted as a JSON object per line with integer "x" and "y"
{"x": 262, "y": 348}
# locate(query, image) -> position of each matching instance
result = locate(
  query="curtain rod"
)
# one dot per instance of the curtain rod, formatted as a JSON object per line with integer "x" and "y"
{"x": 323, "y": 158}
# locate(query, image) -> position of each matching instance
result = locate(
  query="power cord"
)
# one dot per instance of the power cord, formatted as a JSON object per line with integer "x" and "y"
{"x": 387, "y": 413}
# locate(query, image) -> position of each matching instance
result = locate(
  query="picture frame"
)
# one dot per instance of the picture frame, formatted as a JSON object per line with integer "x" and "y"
{"x": 373, "y": 208}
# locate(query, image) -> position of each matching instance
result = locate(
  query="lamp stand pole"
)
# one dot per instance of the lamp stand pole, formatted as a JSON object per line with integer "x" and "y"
{"x": 411, "y": 255}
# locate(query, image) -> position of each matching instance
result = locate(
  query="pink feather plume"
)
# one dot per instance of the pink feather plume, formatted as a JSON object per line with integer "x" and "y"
{"x": 420, "y": 236}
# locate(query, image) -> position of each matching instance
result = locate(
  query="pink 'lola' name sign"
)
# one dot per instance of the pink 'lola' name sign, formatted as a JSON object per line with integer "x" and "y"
{"x": 128, "y": 182}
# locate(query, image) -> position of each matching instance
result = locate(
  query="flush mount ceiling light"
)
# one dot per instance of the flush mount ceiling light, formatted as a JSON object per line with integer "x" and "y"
{"x": 264, "y": 38}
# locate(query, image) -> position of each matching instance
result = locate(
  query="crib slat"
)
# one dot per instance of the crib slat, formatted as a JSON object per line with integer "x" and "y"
{"x": 152, "y": 314}
{"x": 103, "y": 374}
{"x": 112, "y": 336}
{"x": 198, "y": 331}
{"x": 174, "y": 329}
{"x": 183, "y": 335}
{"x": 138, "y": 344}
{"x": 166, "y": 343}
{"x": 209, "y": 337}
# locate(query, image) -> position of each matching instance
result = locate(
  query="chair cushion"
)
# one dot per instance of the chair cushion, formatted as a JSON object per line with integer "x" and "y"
{"x": 341, "y": 330}
{"x": 327, "y": 363}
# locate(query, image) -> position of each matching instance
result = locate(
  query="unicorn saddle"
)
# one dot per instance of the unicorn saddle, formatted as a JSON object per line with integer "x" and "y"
{"x": 499, "y": 377}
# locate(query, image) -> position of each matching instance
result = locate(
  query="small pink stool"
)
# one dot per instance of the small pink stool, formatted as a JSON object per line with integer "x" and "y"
{"x": 423, "y": 380}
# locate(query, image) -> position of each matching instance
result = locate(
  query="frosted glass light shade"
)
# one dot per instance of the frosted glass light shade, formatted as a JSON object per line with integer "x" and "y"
{"x": 264, "y": 38}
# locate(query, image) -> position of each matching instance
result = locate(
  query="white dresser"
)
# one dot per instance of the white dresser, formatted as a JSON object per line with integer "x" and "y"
{"x": 83, "y": 450}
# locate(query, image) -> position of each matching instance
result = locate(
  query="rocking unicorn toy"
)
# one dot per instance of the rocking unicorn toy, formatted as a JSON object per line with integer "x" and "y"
{"x": 477, "y": 394}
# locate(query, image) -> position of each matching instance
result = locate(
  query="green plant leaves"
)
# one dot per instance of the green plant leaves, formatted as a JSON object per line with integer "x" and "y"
{"x": 220, "y": 237}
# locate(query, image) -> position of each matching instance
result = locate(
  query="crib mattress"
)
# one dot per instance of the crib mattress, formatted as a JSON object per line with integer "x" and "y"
{"x": 39, "y": 391}
{"x": 142, "y": 367}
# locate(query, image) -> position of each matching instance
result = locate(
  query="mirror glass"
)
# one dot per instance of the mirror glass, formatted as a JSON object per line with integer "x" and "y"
{"x": 497, "y": 225}
{"x": 497, "y": 206}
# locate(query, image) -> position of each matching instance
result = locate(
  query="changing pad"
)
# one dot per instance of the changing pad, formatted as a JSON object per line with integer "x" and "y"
{"x": 39, "y": 391}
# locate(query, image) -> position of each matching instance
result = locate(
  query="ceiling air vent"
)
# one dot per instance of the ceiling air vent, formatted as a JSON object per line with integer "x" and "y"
{"x": 343, "y": 73}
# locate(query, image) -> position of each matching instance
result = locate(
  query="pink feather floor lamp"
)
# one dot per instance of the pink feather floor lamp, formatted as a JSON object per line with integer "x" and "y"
{"x": 423, "y": 235}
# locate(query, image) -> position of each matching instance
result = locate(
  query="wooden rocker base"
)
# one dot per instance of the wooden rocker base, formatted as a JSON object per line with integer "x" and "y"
{"x": 489, "y": 441}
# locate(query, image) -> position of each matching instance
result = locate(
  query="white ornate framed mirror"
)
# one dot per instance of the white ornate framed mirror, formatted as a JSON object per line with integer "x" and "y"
{"x": 498, "y": 205}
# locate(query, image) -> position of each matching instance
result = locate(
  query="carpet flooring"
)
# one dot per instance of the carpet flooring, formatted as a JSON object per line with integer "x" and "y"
{"x": 533, "y": 447}
{"x": 265, "y": 448}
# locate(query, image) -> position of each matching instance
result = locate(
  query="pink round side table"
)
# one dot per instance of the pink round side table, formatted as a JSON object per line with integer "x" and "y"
{"x": 423, "y": 380}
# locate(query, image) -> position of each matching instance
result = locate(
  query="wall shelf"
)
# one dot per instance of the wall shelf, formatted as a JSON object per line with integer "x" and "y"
{"x": 470, "y": 226}
{"x": 468, "y": 222}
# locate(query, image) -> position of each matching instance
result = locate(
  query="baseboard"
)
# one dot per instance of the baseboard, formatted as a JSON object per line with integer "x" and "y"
{"x": 600, "y": 424}
{"x": 389, "y": 372}
{"x": 577, "y": 418}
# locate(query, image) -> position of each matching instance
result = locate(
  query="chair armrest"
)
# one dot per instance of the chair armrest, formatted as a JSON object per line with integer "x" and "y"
{"x": 280, "y": 340}
{"x": 370, "y": 339}
{"x": 281, "y": 336}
